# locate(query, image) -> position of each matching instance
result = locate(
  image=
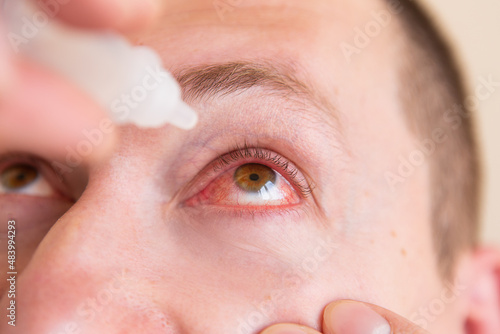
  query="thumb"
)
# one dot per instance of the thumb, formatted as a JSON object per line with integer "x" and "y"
{"x": 352, "y": 317}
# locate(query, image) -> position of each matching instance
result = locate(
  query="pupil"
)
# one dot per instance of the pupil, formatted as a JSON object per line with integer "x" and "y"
{"x": 253, "y": 178}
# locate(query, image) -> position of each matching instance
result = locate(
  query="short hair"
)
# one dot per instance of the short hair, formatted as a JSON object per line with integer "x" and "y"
{"x": 434, "y": 97}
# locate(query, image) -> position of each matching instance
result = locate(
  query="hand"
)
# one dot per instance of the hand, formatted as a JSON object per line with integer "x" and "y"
{"x": 126, "y": 16}
{"x": 39, "y": 111}
{"x": 350, "y": 317}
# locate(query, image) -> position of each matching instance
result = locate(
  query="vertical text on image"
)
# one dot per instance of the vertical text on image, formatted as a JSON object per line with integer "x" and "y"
{"x": 11, "y": 272}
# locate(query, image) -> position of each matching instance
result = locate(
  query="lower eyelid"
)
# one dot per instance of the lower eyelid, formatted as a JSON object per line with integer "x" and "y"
{"x": 246, "y": 213}
{"x": 33, "y": 213}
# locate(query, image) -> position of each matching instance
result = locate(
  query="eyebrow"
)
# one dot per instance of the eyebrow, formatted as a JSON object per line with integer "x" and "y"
{"x": 219, "y": 80}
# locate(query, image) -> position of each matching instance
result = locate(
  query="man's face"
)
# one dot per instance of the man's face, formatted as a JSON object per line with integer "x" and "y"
{"x": 167, "y": 235}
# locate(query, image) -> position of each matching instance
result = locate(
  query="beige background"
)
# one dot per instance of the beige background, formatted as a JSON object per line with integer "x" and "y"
{"x": 474, "y": 28}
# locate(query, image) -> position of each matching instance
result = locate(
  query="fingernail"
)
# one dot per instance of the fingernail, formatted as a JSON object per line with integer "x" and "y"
{"x": 284, "y": 329}
{"x": 355, "y": 318}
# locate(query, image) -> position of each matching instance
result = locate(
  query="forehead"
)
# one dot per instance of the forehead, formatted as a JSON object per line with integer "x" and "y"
{"x": 309, "y": 33}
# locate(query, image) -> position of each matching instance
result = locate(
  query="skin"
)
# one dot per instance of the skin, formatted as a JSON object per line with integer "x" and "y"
{"x": 131, "y": 256}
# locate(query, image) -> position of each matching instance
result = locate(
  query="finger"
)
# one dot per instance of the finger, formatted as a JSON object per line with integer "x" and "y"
{"x": 351, "y": 317}
{"x": 121, "y": 15}
{"x": 45, "y": 116}
{"x": 289, "y": 329}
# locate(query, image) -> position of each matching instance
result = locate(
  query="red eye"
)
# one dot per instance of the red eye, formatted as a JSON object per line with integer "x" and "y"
{"x": 251, "y": 184}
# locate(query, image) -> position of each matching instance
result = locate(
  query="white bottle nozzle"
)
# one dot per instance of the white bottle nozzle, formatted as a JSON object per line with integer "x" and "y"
{"x": 184, "y": 117}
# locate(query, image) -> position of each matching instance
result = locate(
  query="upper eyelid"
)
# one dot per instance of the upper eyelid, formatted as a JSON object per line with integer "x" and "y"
{"x": 16, "y": 157}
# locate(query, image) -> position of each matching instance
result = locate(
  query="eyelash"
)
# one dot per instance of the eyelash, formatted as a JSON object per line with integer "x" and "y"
{"x": 245, "y": 152}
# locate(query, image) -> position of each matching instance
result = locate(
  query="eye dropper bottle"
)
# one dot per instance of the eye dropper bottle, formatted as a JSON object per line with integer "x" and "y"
{"x": 128, "y": 81}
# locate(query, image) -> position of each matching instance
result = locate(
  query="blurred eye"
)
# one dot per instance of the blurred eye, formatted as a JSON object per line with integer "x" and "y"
{"x": 24, "y": 179}
{"x": 260, "y": 179}
{"x": 18, "y": 176}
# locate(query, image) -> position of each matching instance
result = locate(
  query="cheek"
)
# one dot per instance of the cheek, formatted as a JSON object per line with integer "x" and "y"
{"x": 252, "y": 284}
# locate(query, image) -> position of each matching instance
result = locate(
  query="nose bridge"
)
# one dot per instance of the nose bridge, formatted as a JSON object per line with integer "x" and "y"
{"x": 84, "y": 276}
{"x": 102, "y": 225}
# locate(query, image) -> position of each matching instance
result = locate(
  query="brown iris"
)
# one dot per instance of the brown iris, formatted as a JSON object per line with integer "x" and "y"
{"x": 18, "y": 176}
{"x": 253, "y": 177}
